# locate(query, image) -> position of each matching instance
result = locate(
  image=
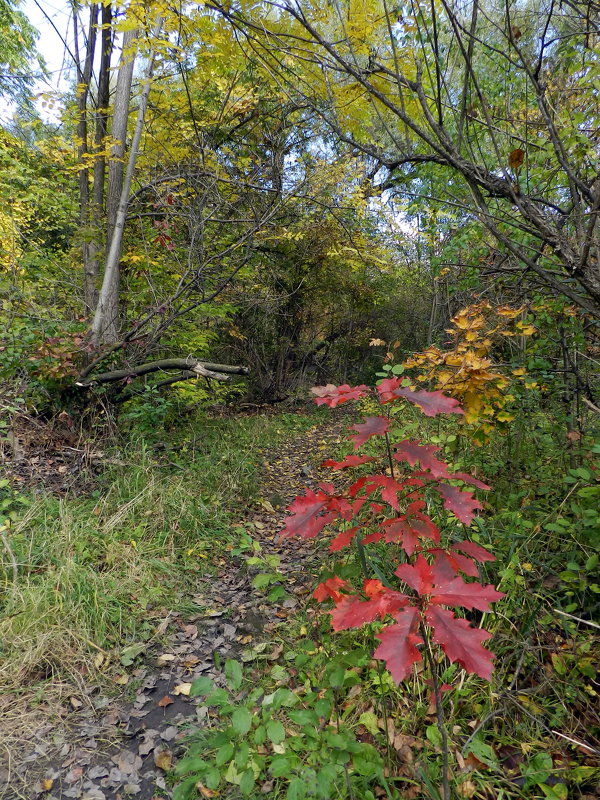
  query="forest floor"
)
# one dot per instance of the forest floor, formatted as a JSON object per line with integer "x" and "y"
{"x": 120, "y": 738}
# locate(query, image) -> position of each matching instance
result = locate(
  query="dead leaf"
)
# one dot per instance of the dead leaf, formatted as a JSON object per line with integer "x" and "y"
{"x": 466, "y": 789}
{"x": 163, "y": 759}
{"x": 190, "y": 631}
{"x": 516, "y": 33}
{"x": 75, "y": 703}
{"x": 472, "y": 762}
{"x": 205, "y": 791}
{"x": 183, "y": 689}
{"x": 516, "y": 158}
{"x": 165, "y": 658}
{"x": 165, "y": 701}
{"x": 121, "y": 680}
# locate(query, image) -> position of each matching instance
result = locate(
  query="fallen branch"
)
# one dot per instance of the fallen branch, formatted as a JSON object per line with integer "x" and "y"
{"x": 189, "y": 367}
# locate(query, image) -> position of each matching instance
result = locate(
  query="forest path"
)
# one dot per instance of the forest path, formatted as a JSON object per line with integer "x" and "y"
{"x": 122, "y": 747}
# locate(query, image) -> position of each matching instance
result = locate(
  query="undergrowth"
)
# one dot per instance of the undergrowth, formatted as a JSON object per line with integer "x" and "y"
{"x": 93, "y": 573}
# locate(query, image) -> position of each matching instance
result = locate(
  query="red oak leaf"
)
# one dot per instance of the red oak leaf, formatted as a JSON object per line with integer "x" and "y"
{"x": 349, "y": 461}
{"x": 448, "y": 563}
{"x": 416, "y": 505}
{"x": 362, "y": 483}
{"x": 474, "y": 550}
{"x": 460, "y": 641}
{"x": 418, "y": 576}
{"x": 423, "y": 526}
{"x": 327, "y": 487}
{"x": 352, "y": 612}
{"x": 373, "y": 537}
{"x": 336, "y": 395}
{"x": 466, "y": 478}
{"x": 398, "y": 644}
{"x": 413, "y": 451}
{"x": 372, "y": 426}
{"x": 388, "y": 389}
{"x": 343, "y": 539}
{"x": 458, "y": 592}
{"x": 431, "y": 403}
{"x": 330, "y": 588}
{"x": 461, "y": 503}
{"x": 389, "y": 488}
{"x": 398, "y": 530}
{"x": 377, "y": 508}
{"x": 343, "y": 508}
{"x": 308, "y": 515}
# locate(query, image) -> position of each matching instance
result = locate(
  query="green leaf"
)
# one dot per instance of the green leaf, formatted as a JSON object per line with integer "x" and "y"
{"x": 538, "y": 770}
{"x": 304, "y": 716}
{"x": 323, "y": 708}
{"x": 275, "y": 731}
{"x": 190, "y": 764}
{"x": 129, "y": 654}
{"x": 241, "y": 720}
{"x": 247, "y": 782}
{"x": 433, "y": 734}
{"x": 201, "y": 687}
{"x": 483, "y": 752}
{"x": 212, "y": 778}
{"x": 184, "y": 790}
{"x": 242, "y": 754}
{"x": 233, "y": 673}
{"x": 556, "y": 792}
{"x": 219, "y": 697}
{"x": 336, "y": 677}
{"x": 369, "y": 720}
{"x": 224, "y": 754}
{"x": 262, "y": 580}
{"x": 296, "y": 789}
{"x": 280, "y": 766}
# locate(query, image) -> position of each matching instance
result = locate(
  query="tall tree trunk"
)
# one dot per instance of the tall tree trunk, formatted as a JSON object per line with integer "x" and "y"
{"x": 105, "y": 324}
{"x": 83, "y": 89}
{"x": 101, "y": 130}
{"x": 119, "y": 132}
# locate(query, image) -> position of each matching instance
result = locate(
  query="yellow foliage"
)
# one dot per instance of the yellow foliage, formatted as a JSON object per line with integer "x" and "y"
{"x": 467, "y": 371}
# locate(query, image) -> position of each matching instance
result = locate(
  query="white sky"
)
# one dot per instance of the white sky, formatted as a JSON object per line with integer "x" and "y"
{"x": 51, "y": 48}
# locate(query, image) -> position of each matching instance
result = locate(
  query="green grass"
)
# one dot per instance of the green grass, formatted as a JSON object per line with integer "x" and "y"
{"x": 95, "y": 573}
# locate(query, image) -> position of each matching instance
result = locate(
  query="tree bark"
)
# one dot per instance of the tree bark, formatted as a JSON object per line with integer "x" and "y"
{"x": 206, "y": 368}
{"x": 105, "y": 324}
{"x": 83, "y": 91}
{"x": 92, "y": 271}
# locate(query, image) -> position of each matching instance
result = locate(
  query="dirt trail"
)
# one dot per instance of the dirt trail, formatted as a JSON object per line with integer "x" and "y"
{"x": 121, "y": 748}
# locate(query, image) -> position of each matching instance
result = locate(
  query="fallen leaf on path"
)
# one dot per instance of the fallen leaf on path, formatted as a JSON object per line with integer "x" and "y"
{"x": 165, "y": 701}
{"x": 183, "y": 688}
{"x": 165, "y": 658}
{"x": 163, "y": 759}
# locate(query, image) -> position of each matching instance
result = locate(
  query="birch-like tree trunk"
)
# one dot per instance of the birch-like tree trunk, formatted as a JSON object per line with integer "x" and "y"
{"x": 105, "y": 326}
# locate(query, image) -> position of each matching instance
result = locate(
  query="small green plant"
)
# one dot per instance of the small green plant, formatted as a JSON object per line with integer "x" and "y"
{"x": 289, "y": 742}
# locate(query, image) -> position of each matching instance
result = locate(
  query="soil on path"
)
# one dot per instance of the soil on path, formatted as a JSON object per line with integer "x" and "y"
{"x": 117, "y": 748}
